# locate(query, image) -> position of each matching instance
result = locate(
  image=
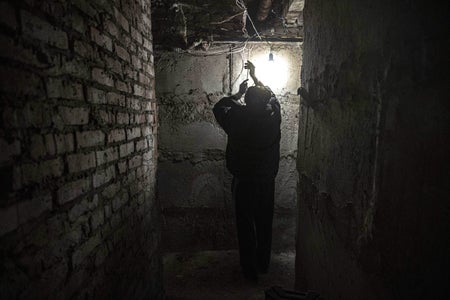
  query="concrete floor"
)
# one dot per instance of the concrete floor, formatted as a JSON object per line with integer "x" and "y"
{"x": 216, "y": 275}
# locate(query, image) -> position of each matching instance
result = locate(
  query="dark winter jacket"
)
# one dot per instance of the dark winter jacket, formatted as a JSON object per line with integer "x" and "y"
{"x": 253, "y": 148}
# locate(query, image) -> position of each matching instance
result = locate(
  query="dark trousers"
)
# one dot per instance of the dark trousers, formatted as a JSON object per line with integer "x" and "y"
{"x": 254, "y": 214}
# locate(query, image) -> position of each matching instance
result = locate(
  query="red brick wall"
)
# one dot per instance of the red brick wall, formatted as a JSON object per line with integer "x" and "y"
{"x": 78, "y": 215}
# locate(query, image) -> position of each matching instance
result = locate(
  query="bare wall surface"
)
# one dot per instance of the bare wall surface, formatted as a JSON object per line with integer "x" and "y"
{"x": 373, "y": 151}
{"x": 78, "y": 215}
{"x": 193, "y": 183}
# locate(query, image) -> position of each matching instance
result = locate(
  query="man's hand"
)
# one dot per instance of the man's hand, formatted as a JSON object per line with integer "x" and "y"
{"x": 251, "y": 67}
{"x": 243, "y": 87}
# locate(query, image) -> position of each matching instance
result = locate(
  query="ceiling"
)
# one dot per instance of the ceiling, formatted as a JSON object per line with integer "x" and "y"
{"x": 195, "y": 24}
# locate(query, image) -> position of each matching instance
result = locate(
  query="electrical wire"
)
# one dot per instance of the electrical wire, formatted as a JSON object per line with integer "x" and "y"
{"x": 225, "y": 49}
{"x": 219, "y": 50}
{"x": 240, "y": 4}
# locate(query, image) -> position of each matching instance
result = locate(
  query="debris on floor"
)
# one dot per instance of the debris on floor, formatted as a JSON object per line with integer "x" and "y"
{"x": 216, "y": 275}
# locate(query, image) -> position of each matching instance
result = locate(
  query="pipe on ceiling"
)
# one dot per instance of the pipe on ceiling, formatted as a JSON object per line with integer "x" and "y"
{"x": 263, "y": 9}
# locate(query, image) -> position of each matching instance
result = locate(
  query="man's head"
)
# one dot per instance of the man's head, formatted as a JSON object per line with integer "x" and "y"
{"x": 257, "y": 96}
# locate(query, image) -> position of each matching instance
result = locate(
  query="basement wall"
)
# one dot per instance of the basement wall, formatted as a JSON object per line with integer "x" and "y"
{"x": 373, "y": 151}
{"x": 193, "y": 183}
{"x": 78, "y": 214}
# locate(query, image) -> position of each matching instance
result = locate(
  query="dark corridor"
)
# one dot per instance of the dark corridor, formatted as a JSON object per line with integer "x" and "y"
{"x": 113, "y": 177}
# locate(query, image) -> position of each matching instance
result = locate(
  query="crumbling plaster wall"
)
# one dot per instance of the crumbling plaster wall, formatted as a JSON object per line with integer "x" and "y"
{"x": 78, "y": 212}
{"x": 373, "y": 151}
{"x": 193, "y": 183}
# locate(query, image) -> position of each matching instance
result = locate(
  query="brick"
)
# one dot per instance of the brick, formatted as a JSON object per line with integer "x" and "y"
{"x": 123, "y": 118}
{"x": 103, "y": 176}
{"x": 36, "y": 172}
{"x": 147, "y": 156}
{"x": 148, "y": 68}
{"x": 96, "y": 96}
{"x": 50, "y": 146}
{"x": 130, "y": 73}
{"x": 133, "y": 133}
{"x": 143, "y": 54}
{"x": 101, "y": 39}
{"x": 134, "y": 103}
{"x": 122, "y": 86}
{"x": 136, "y": 35}
{"x": 82, "y": 207}
{"x": 37, "y": 147}
{"x": 140, "y": 118}
{"x": 144, "y": 79}
{"x": 121, "y": 20}
{"x": 78, "y": 22}
{"x": 58, "y": 88}
{"x": 135, "y": 162}
{"x": 147, "y": 44}
{"x": 146, "y": 106}
{"x": 85, "y": 50}
{"x": 114, "y": 65}
{"x": 119, "y": 201}
{"x": 36, "y": 114}
{"x": 37, "y": 28}
{"x": 74, "y": 115}
{"x": 80, "y": 162}
{"x": 122, "y": 53}
{"x": 85, "y": 7}
{"x": 108, "y": 211}
{"x": 106, "y": 156}
{"x": 73, "y": 190}
{"x": 33, "y": 208}
{"x": 97, "y": 219}
{"x": 136, "y": 62}
{"x": 150, "y": 118}
{"x": 116, "y": 135}
{"x": 123, "y": 167}
{"x": 141, "y": 145}
{"x": 126, "y": 149}
{"x": 139, "y": 90}
{"x": 106, "y": 117}
{"x": 90, "y": 138}
{"x": 85, "y": 249}
{"x": 100, "y": 76}
{"x": 64, "y": 143}
{"x": 8, "y": 15}
{"x": 78, "y": 210}
{"x": 115, "y": 99}
{"x": 8, "y": 219}
{"x": 9, "y": 150}
{"x": 147, "y": 130}
{"x": 111, "y": 28}
{"x": 110, "y": 191}
{"x": 75, "y": 67}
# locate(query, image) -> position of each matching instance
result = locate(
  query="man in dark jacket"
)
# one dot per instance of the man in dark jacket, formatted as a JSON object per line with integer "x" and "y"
{"x": 252, "y": 155}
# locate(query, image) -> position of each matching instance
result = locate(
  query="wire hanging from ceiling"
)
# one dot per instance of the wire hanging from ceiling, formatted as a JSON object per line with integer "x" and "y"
{"x": 220, "y": 50}
{"x": 241, "y": 5}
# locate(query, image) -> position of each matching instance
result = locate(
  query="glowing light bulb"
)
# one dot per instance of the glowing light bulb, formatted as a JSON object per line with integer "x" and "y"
{"x": 270, "y": 72}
